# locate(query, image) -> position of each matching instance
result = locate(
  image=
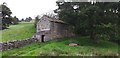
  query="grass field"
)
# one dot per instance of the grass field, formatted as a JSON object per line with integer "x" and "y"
{"x": 17, "y": 32}
{"x": 61, "y": 48}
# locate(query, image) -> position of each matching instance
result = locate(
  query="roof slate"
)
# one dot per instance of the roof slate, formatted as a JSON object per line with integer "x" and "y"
{"x": 55, "y": 20}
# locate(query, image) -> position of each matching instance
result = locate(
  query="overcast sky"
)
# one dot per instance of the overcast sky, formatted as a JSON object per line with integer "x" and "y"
{"x": 32, "y": 8}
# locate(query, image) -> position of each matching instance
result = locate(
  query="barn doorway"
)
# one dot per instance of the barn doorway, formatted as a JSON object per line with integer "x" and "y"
{"x": 42, "y": 38}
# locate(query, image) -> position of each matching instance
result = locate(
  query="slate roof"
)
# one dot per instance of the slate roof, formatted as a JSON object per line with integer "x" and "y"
{"x": 55, "y": 20}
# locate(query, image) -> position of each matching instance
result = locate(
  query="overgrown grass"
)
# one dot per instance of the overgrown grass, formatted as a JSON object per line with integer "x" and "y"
{"x": 61, "y": 48}
{"x": 17, "y": 32}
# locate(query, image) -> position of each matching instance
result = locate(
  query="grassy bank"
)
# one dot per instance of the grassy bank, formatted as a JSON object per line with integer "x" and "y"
{"x": 17, "y": 32}
{"x": 61, "y": 48}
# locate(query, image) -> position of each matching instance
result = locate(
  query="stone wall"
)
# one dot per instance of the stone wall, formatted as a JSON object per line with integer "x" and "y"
{"x": 16, "y": 43}
{"x": 60, "y": 30}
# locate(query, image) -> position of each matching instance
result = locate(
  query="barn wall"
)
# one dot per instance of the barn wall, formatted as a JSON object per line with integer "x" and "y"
{"x": 59, "y": 30}
{"x": 47, "y": 36}
{"x": 43, "y": 24}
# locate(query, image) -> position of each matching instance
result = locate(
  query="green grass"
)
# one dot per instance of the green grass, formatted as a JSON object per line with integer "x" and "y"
{"x": 17, "y": 32}
{"x": 61, "y": 48}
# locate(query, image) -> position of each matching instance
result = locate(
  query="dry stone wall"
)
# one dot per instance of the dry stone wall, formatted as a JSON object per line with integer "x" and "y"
{"x": 16, "y": 43}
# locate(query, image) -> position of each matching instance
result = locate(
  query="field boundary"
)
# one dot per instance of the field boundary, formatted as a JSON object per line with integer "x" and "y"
{"x": 16, "y": 43}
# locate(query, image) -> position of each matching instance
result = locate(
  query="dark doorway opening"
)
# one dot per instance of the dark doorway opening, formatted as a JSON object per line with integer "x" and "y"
{"x": 42, "y": 38}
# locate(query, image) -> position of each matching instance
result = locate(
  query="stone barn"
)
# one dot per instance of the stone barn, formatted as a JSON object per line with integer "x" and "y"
{"x": 50, "y": 28}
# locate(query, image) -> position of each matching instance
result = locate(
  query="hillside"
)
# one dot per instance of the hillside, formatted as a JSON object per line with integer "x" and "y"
{"x": 61, "y": 48}
{"x": 20, "y": 31}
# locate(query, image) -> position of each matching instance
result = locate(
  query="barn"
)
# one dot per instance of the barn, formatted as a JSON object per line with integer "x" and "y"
{"x": 49, "y": 29}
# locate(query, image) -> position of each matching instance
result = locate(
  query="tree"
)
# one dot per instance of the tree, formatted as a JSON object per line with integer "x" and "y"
{"x": 36, "y": 21}
{"x": 98, "y": 20}
{"x": 22, "y": 19}
{"x": 28, "y": 19}
{"x": 15, "y": 20}
{"x": 6, "y": 16}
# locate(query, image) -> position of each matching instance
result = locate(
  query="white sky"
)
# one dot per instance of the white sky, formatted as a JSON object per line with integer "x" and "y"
{"x": 32, "y": 8}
